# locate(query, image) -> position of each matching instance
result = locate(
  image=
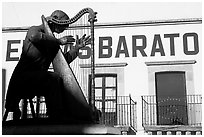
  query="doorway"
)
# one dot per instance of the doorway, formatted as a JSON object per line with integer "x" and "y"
{"x": 171, "y": 98}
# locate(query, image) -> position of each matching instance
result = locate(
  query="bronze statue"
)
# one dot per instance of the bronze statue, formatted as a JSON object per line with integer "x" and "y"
{"x": 64, "y": 98}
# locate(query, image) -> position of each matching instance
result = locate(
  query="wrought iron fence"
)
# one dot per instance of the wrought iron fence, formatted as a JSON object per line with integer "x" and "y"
{"x": 117, "y": 111}
{"x": 172, "y": 111}
{"x": 113, "y": 111}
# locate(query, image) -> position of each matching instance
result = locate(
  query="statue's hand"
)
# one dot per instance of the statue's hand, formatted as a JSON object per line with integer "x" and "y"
{"x": 83, "y": 41}
{"x": 66, "y": 40}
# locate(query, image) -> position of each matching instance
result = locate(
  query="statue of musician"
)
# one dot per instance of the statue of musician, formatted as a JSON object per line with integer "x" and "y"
{"x": 31, "y": 76}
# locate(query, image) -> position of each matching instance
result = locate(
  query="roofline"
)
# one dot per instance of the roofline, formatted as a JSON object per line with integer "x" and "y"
{"x": 123, "y": 24}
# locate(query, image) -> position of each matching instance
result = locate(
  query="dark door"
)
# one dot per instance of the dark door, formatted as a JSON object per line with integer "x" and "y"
{"x": 171, "y": 98}
{"x": 106, "y": 97}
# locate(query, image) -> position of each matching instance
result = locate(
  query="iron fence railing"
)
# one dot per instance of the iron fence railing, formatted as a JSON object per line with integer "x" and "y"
{"x": 172, "y": 111}
{"x": 117, "y": 111}
{"x": 113, "y": 111}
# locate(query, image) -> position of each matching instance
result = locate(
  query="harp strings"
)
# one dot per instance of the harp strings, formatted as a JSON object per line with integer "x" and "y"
{"x": 80, "y": 27}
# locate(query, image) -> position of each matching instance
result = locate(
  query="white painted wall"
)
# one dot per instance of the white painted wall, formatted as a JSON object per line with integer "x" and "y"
{"x": 136, "y": 77}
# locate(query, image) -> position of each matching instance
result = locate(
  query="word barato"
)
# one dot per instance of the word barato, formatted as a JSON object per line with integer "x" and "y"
{"x": 106, "y": 43}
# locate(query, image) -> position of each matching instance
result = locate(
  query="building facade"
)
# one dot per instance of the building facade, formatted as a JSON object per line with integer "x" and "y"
{"x": 148, "y": 74}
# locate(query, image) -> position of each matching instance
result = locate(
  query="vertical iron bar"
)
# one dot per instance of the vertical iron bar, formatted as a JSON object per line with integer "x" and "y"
{"x": 91, "y": 20}
{"x": 142, "y": 112}
{"x": 116, "y": 96}
{"x": 130, "y": 110}
{"x": 192, "y": 106}
{"x": 154, "y": 110}
{"x": 103, "y": 99}
{"x": 127, "y": 114}
{"x": 92, "y": 66}
{"x": 151, "y": 109}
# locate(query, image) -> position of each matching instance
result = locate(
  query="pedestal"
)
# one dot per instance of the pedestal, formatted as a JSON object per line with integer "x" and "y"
{"x": 84, "y": 129}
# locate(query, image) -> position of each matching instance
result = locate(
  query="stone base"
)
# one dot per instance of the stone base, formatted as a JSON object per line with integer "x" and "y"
{"x": 59, "y": 129}
{"x": 126, "y": 130}
{"x": 173, "y": 130}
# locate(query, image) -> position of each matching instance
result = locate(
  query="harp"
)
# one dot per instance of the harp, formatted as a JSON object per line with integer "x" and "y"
{"x": 73, "y": 77}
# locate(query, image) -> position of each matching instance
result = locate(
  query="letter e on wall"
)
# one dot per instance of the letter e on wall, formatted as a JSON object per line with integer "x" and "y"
{"x": 11, "y": 50}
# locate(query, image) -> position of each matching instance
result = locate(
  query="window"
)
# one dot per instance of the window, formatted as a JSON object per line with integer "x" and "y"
{"x": 106, "y": 96}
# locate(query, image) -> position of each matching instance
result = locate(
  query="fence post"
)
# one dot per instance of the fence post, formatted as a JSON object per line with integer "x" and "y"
{"x": 142, "y": 113}
{"x": 130, "y": 111}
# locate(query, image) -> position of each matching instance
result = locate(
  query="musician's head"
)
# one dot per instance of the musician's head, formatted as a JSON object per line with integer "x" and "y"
{"x": 58, "y": 15}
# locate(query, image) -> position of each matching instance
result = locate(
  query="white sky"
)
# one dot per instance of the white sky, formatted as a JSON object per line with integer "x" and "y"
{"x": 18, "y": 14}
